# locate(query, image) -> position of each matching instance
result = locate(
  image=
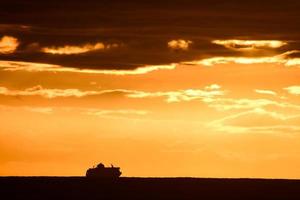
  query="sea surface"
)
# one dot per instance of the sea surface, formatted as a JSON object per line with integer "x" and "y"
{"x": 72, "y": 188}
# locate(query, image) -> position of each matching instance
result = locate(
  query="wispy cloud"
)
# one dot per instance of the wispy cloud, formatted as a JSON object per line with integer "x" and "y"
{"x": 8, "y": 44}
{"x": 34, "y": 109}
{"x": 84, "y": 111}
{"x": 47, "y": 93}
{"x": 267, "y": 92}
{"x": 277, "y": 59}
{"x": 71, "y": 49}
{"x": 171, "y": 96}
{"x": 42, "y": 67}
{"x": 179, "y": 44}
{"x": 182, "y": 95}
{"x": 227, "y": 104}
{"x": 242, "y": 45}
{"x": 97, "y": 112}
{"x": 213, "y": 87}
{"x": 257, "y": 111}
{"x": 295, "y": 90}
{"x": 42, "y": 110}
{"x": 257, "y": 120}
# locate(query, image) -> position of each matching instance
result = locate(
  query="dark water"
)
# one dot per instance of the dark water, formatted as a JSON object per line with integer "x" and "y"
{"x": 43, "y": 188}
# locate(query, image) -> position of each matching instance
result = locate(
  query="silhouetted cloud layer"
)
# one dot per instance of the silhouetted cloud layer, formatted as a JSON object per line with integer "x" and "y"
{"x": 145, "y": 33}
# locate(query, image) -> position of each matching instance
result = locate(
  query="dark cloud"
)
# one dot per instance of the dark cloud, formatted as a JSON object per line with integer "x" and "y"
{"x": 143, "y": 27}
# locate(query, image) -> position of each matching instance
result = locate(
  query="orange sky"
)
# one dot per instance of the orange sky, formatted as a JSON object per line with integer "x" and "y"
{"x": 153, "y": 97}
{"x": 225, "y": 120}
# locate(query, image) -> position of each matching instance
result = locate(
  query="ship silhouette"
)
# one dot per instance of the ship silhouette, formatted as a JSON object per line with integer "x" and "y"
{"x": 102, "y": 172}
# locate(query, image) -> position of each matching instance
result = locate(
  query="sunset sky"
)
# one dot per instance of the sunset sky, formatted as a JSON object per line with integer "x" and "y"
{"x": 171, "y": 88}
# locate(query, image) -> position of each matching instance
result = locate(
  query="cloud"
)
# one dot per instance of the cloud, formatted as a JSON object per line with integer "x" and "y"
{"x": 247, "y": 118}
{"x": 86, "y": 111}
{"x": 69, "y": 49}
{"x": 213, "y": 87}
{"x": 14, "y": 27}
{"x": 171, "y": 96}
{"x": 268, "y": 92}
{"x": 8, "y": 44}
{"x": 179, "y": 44}
{"x": 277, "y": 59}
{"x": 256, "y": 115}
{"x": 212, "y": 95}
{"x": 245, "y": 45}
{"x": 97, "y": 112}
{"x": 41, "y": 110}
{"x": 47, "y": 93}
{"x": 293, "y": 62}
{"x": 181, "y": 95}
{"x": 295, "y": 90}
{"x": 258, "y": 120}
{"x": 146, "y": 42}
{"x": 42, "y": 67}
{"x": 225, "y": 104}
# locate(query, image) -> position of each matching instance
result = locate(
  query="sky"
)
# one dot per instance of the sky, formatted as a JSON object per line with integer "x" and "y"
{"x": 160, "y": 89}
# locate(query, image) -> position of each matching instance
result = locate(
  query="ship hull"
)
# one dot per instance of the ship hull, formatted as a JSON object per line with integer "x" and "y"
{"x": 106, "y": 173}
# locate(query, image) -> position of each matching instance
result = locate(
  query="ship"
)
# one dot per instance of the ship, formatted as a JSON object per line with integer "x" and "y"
{"x": 102, "y": 172}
